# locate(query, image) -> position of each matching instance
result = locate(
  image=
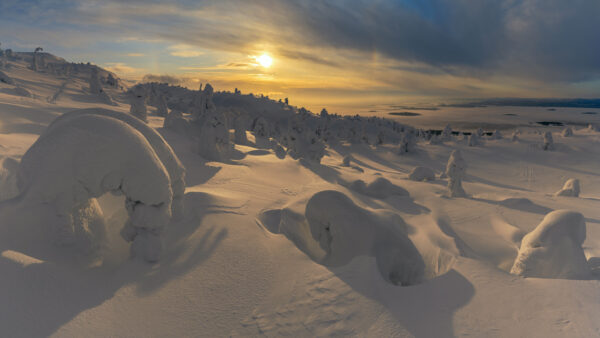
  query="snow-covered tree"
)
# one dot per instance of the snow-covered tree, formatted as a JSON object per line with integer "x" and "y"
{"x": 548, "y": 141}
{"x": 213, "y": 142}
{"x": 497, "y": 135}
{"x": 456, "y": 170}
{"x": 240, "y": 124}
{"x": 446, "y": 133}
{"x": 81, "y": 159}
{"x": 138, "y": 103}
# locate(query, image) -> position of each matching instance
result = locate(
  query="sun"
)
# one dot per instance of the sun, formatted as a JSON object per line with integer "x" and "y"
{"x": 265, "y": 60}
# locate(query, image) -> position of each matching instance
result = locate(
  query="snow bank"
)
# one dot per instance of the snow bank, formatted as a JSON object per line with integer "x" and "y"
{"x": 422, "y": 174}
{"x": 379, "y": 188}
{"x": 84, "y": 157}
{"x": 553, "y": 248}
{"x": 571, "y": 188}
{"x": 344, "y": 231}
{"x": 163, "y": 150}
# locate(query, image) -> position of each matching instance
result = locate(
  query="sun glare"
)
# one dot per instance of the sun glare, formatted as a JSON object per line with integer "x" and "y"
{"x": 265, "y": 60}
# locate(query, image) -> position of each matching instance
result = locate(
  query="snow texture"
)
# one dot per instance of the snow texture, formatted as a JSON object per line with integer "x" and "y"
{"x": 553, "y": 248}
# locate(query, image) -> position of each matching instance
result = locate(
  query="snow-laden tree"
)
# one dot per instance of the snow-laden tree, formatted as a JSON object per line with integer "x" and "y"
{"x": 497, "y": 135}
{"x": 548, "y": 143}
{"x": 240, "y": 124}
{"x": 554, "y": 248}
{"x": 456, "y": 170}
{"x": 81, "y": 159}
{"x": 570, "y": 188}
{"x": 161, "y": 105}
{"x": 138, "y": 103}
{"x": 474, "y": 140}
{"x": 213, "y": 141}
{"x": 446, "y": 133}
{"x": 163, "y": 150}
{"x": 262, "y": 131}
{"x": 202, "y": 103}
{"x": 515, "y": 136}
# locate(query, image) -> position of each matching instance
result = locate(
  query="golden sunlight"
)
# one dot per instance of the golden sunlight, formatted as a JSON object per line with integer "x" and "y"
{"x": 265, "y": 60}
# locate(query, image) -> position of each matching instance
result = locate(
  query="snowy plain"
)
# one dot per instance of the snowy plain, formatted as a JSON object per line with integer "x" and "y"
{"x": 241, "y": 261}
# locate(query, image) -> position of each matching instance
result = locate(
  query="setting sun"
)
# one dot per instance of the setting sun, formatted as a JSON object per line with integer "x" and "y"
{"x": 265, "y": 60}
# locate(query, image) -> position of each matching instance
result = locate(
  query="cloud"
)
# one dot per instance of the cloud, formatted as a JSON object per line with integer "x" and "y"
{"x": 184, "y": 51}
{"x": 134, "y": 54}
{"x": 122, "y": 69}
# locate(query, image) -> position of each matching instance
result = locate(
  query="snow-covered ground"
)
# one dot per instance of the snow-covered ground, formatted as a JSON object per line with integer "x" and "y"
{"x": 271, "y": 246}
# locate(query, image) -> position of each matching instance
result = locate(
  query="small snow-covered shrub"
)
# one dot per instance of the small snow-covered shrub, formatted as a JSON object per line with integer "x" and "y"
{"x": 571, "y": 188}
{"x": 553, "y": 249}
{"x": 422, "y": 174}
{"x": 455, "y": 171}
{"x": 347, "y": 160}
{"x": 567, "y": 132}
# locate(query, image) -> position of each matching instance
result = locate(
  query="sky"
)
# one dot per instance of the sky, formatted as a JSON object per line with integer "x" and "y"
{"x": 329, "y": 53}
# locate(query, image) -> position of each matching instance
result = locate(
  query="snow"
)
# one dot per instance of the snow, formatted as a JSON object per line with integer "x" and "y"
{"x": 553, "y": 249}
{"x": 420, "y": 173}
{"x": 245, "y": 257}
{"x": 84, "y": 157}
{"x": 571, "y": 188}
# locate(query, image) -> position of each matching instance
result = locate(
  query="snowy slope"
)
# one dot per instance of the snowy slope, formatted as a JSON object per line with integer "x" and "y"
{"x": 227, "y": 269}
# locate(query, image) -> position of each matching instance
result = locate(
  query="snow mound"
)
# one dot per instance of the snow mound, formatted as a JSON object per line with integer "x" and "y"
{"x": 84, "y": 157}
{"x": 422, "y": 174}
{"x": 333, "y": 231}
{"x": 571, "y": 188}
{"x": 163, "y": 150}
{"x": 379, "y": 188}
{"x": 553, "y": 249}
